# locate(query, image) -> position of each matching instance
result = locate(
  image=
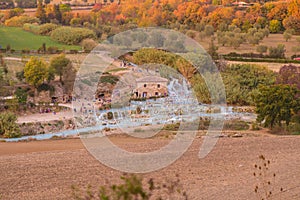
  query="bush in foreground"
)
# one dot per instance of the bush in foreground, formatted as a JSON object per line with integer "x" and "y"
{"x": 8, "y": 126}
{"x": 133, "y": 188}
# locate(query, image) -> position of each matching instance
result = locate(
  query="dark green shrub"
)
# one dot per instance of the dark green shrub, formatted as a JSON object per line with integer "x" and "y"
{"x": 109, "y": 79}
{"x": 110, "y": 115}
{"x": 243, "y": 80}
{"x": 236, "y": 125}
{"x": 20, "y": 75}
{"x": 45, "y": 87}
{"x": 26, "y": 51}
{"x": 21, "y": 95}
{"x": 52, "y": 50}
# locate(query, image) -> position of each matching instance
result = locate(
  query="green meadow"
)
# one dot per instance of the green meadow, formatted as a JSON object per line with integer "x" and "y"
{"x": 18, "y": 39}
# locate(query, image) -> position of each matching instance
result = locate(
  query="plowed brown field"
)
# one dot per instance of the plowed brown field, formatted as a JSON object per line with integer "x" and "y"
{"x": 47, "y": 169}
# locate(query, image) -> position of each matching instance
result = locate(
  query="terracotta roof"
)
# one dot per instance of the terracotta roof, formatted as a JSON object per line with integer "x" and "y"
{"x": 152, "y": 79}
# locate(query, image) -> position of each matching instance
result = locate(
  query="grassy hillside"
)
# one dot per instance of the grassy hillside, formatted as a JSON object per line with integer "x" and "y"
{"x": 19, "y": 39}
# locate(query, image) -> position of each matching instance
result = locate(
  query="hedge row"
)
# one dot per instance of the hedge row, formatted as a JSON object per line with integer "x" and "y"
{"x": 19, "y": 21}
{"x": 44, "y": 29}
{"x": 72, "y": 36}
{"x": 269, "y": 60}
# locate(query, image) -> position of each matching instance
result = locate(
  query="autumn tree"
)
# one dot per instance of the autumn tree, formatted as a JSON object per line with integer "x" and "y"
{"x": 36, "y": 72}
{"x": 49, "y": 9}
{"x": 219, "y": 16}
{"x": 239, "y": 18}
{"x": 292, "y": 22}
{"x": 278, "y": 12}
{"x": 57, "y": 13}
{"x": 53, "y": 13}
{"x": 97, "y": 7}
{"x": 76, "y": 22}
{"x": 253, "y": 13}
{"x": 274, "y": 26}
{"x": 40, "y": 12}
{"x": 293, "y": 8}
{"x": 14, "y": 12}
{"x": 189, "y": 13}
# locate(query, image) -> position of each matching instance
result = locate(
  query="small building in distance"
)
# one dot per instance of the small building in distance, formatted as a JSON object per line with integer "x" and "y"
{"x": 241, "y": 4}
{"x": 151, "y": 86}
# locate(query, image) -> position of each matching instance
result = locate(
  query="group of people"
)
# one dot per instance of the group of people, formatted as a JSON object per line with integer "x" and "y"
{"x": 47, "y": 110}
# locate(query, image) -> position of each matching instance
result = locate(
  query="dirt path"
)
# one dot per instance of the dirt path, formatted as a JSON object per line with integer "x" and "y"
{"x": 44, "y": 117}
{"x": 47, "y": 169}
{"x": 14, "y": 59}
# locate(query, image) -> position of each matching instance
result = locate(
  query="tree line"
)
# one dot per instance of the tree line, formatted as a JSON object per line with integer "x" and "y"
{"x": 175, "y": 14}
